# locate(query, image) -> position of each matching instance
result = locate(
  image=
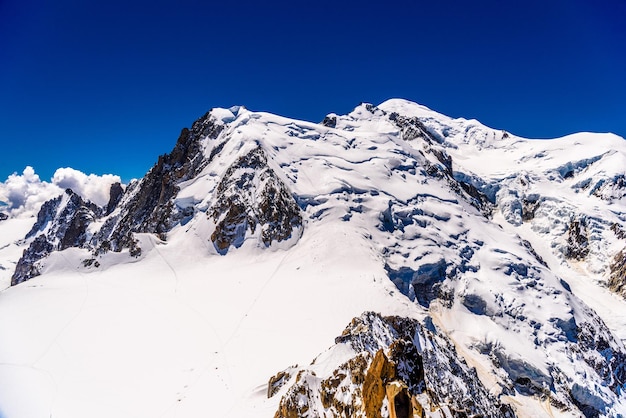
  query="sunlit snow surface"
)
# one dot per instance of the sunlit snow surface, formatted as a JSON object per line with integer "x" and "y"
{"x": 185, "y": 332}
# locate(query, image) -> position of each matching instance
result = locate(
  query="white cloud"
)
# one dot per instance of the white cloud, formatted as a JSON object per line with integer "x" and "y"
{"x": 25, "y": 193}
{"x": 92, "y": 187}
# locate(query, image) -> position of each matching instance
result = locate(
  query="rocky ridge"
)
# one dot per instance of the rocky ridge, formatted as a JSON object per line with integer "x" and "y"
{"x": 464, "y": 242}
{"x": 61, "y": 223}
{"x": 253, "y": 197}
{"x": 149, "y": 205}
{"x": 386, "y": 367}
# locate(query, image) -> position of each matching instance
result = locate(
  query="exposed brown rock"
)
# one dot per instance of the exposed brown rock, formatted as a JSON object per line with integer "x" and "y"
{"x": 357, "y": 366}
{"x": 409, "y": 365}
{"x": 618, "y": 230}
{"x": 401, "y": 403}
{"x": 391, "y": 376}
{"x": 276, "y": 382}
{"x": 295, "y": 407}
{"x": 380, "y": 372}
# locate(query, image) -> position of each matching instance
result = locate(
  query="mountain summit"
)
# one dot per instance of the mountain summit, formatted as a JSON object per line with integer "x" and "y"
{"x": 392, "y": 262}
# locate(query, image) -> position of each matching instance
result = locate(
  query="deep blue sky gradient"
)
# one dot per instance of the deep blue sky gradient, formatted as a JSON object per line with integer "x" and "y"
{"x": 106, "y": 86}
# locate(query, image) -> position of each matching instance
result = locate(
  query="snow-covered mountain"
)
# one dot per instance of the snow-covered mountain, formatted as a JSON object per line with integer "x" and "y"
{"x": 389, "y": 262}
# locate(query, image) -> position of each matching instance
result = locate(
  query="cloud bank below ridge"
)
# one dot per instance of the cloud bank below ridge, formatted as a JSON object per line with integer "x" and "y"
{"x": 25, "y": 193}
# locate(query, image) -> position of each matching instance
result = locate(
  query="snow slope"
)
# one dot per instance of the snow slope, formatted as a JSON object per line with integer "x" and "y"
{"x": 400, "y": 211}
{"x": 571, "y": 177}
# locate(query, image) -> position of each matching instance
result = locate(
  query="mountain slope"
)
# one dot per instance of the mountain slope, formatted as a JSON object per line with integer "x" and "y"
{"x": 259, "y": 238}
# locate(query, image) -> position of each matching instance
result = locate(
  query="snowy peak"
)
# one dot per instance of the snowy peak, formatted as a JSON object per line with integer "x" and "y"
{"x": 148, "y": 205}
{"x": 451, "y": 132}
{"x": 62, "y": 223}
{"x": 250, "y": 195}
{"x": 492, "y": 257}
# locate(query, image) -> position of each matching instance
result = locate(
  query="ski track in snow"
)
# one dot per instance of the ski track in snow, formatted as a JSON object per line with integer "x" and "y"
{"x": 214, "y": 359}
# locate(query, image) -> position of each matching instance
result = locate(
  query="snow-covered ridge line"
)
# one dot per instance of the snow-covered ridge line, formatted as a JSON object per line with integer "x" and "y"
{"x": 501, "y": 250}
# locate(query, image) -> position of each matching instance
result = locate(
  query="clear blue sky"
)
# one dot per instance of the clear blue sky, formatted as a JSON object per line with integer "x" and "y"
{"x": 106, "y": 86}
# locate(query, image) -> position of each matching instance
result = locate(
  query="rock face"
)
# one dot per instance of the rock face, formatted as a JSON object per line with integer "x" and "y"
{"x": 398, "y": 368}
{"x": 250, "y": 200}
{"x": 251, "y": 196}
{"x": 115, "y": 195}
{"x": 147, "y": 206}
{"x": 577, "y": 240}
{"x": 26, "y": 267}
{"x": 617, "y": 277}
{"x": 401, "y": 367}
{"x": 330, "y": 121}
{"x": 617, "y": 268}
{"x": 61, "y": 223}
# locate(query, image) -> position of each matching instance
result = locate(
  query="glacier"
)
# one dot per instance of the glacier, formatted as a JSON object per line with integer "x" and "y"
{"x": 388, "y": 262}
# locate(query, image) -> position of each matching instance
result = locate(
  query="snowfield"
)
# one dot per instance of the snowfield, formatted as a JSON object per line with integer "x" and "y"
{"x": 179, "y": 332}
{"x": 500, "y": 245}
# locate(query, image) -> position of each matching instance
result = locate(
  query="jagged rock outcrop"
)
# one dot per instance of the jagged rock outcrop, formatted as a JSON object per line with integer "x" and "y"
{"x": 251, "y": 196}
{"x": 619, "y": 231}
{"x": 3, "y": 216}
{"x": 26, "y": 267}
{"x": 145, "y": 206}
{"x": 399, "y": 368}
{"x": 577, "y": 240}
{"x": 597, "y": 347}
{"x": 411, "y": 128}
{"x": 115, "y": 195}
{"x": 400, "y": 363}
{"x": 61, "y": 223}
{"x": 249, "y": 199}
{"x": 617, "y": 274}
{"x": 148, "y": 205}
{"x": 46, "y": 214}
{"x": 530, "y": 204}
{"x": 330, "y": 121}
